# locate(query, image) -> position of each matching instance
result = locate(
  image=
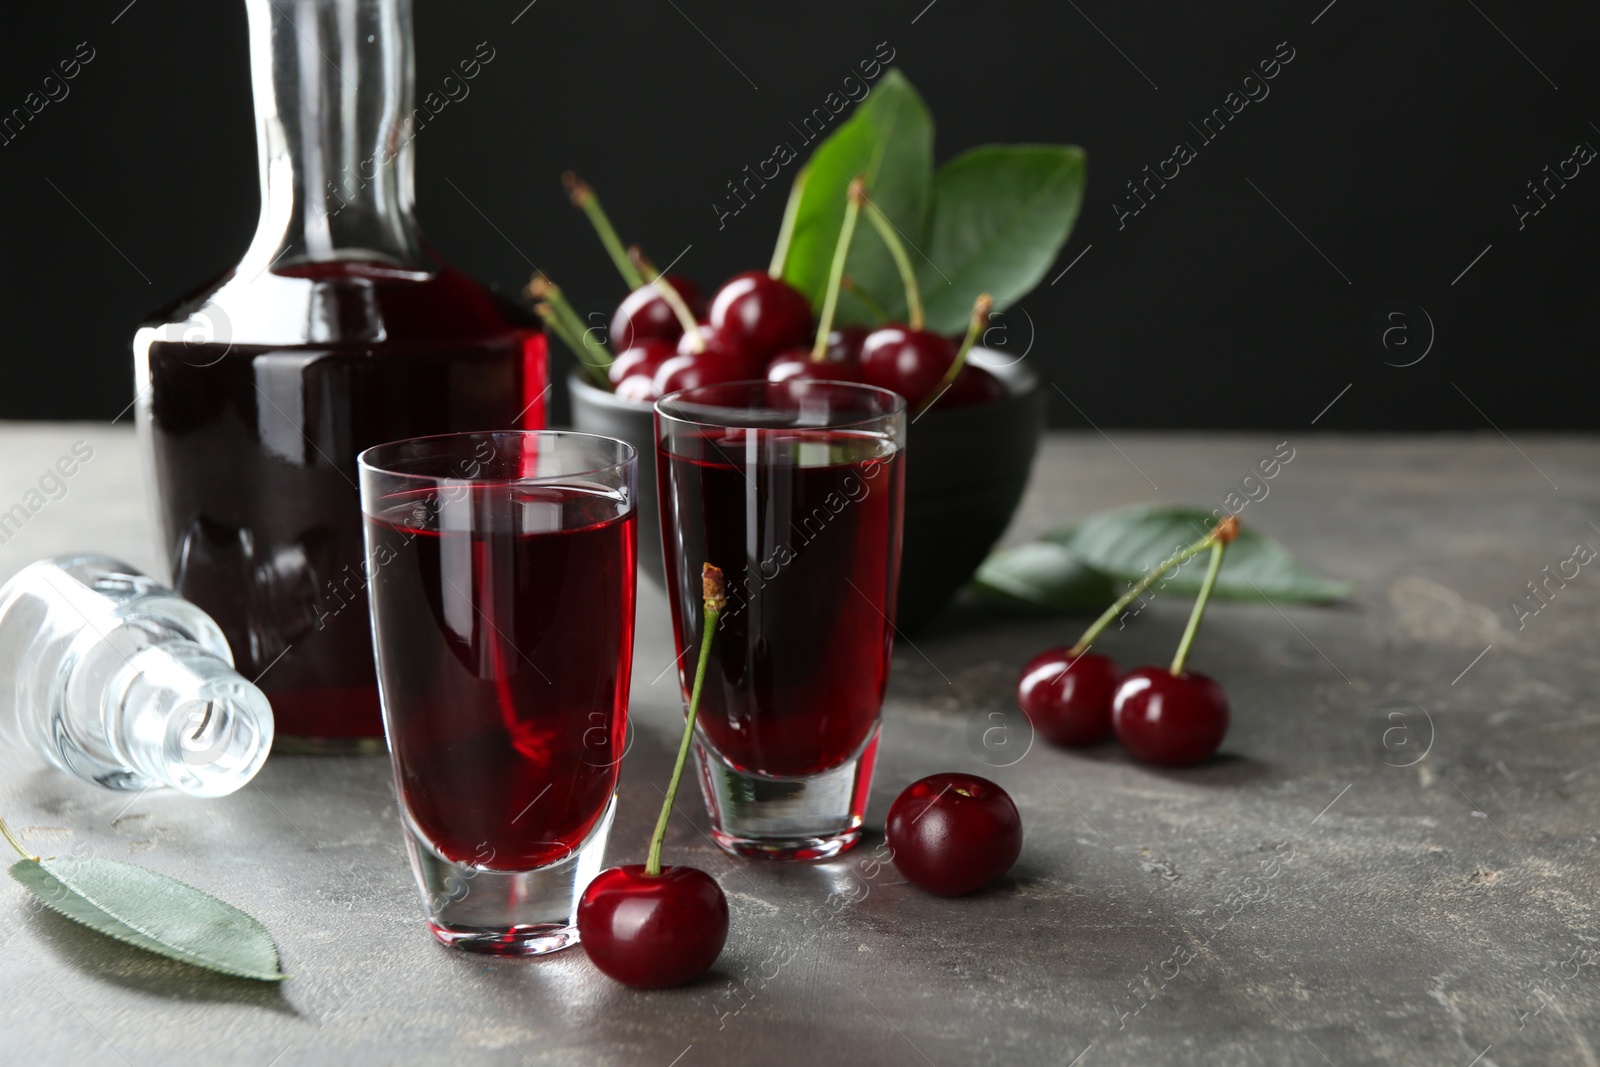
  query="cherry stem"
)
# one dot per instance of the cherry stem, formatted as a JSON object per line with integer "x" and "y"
{"x": 715, "y": 595}
{"x": 562, "y": 318}
{"x": 1226, "y": 530}
{"x": 670, "y": 294}
{"x": 542, "y": 288}
{"x": 584, "y": 197}
{"x": 902, "y": 262}
{"x": 848, "y": 284}
{"x": 791, "y": 212}
{"x": 980, "y": 318}
{"x": 841, "y": 252}
{"x": 1218, "y": 547}
{"x": 552, "y": 319}
{"x": 11, "y": 838}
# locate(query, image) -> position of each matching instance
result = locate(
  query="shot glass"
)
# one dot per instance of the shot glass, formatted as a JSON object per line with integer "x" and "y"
{"x": 795, "y": 490}
{"x": 500, "y": 570}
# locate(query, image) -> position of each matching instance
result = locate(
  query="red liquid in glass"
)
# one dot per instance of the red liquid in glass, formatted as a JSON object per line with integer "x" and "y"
{"x": 505, "y": 657}
{"x": 810, "y": 548}
{"x": 254, "y": 431}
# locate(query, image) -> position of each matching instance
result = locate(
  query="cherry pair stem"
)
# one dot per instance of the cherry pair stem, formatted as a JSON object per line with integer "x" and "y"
{"x": 715, "y": 597}
{"x": 1217, "y": 540}
{"x": 636, "y": 271}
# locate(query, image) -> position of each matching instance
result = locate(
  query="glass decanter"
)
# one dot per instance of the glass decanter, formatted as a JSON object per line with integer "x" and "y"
{"x": 340, "y": 329}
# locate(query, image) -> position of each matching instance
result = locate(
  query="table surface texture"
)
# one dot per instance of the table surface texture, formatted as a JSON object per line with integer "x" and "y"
{"x": 1327, "y": 891}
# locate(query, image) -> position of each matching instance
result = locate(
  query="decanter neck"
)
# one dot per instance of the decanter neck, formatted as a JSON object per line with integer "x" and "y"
{"x": 333, "y": 100}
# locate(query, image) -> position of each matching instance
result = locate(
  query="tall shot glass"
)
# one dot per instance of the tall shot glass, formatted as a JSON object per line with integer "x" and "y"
{"x": 796, "y": 491}
{"x": 500, "y": 570}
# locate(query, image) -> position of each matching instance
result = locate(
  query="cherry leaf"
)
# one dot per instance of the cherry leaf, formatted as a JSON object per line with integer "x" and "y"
{"x": 889, "y": 141}
{"x": 153, "y": 912}
{"x": 1126, "y": 543}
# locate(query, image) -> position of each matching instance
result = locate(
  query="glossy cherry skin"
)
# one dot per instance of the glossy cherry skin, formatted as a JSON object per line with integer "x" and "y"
{"x": 973, "y": 386}
{"x": 722, "y": 345}
{"x": 652, "y": 933}
{"x": 953, "y": 833}
{"x": 640, "y": 388}
{"x": 797, "y": 363}
{"x": 644, "y": 315}
{"x": 1172, "y": 721}
{"x": 906, "y": 361}
{"x": 1068, "y": 698}
{"x": 844, "y": 343}
{"x": 762, "y": 314}
{"x": 643, "y": 358}
{"x": 688, "y": 370}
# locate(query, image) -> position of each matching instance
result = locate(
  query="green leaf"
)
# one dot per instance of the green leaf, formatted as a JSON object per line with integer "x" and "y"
{"x": 1125, "y": 544}
{"x": 154, "y": 912}
{"x": 1043, "y": 574}
{"x": 890, "y": 140}
{"x": 1000, "y": 216}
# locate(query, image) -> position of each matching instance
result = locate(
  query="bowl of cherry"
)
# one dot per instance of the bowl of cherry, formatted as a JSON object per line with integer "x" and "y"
{"x": 970, "y": 448}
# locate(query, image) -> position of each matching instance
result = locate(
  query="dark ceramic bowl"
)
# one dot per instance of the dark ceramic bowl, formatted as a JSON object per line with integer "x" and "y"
{"x": 966, "y": 470}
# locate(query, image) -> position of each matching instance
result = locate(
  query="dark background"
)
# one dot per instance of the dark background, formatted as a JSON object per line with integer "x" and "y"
{"x": 1396, "y": 141}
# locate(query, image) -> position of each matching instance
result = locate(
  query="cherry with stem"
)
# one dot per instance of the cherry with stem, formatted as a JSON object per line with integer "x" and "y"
{"x": 756, "y": 315}
{"x": 1067, "y": 693}
{"x": 980, "y": 318}
{"x": 1177, "y": 717}
{"x": 915, "y": 362}
{"x": 825, "y": 360}
{"x": 670, "y": 294}
{"x": 650, "y": 926}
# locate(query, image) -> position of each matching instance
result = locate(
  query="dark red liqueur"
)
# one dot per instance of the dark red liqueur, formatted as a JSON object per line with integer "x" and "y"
{"x": 254, "y": 430}
{"x": 506, "y": 661}
{"x": 810, "y": 546}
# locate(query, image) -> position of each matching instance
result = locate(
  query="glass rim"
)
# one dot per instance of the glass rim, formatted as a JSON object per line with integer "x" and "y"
{"x": 896, "y": 408}
{"x": 368, "y": 461}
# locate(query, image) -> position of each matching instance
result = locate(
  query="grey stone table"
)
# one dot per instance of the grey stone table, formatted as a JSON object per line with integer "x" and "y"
{"x": 1394, "y": 861}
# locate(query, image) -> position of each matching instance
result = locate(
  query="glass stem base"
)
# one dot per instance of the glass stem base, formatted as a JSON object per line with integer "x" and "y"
{"x": 506, "y": 913}
{"x": 810, "y": 818}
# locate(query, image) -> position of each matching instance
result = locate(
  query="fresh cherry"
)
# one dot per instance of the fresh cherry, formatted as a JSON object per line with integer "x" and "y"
{"x": 652, "y": 926}
{"x": 1068, "y": 697}
{"x": 973, "y": 386}
{"x": 640, "y": 388}
{"x": 645, "y": 315}
{"x": 761, "y": 313}
{"x": 1174, "y": 720}
{"x": 906, "y": 361}
{"x": 643, "y": 359}
{"x": 720, "y": 360}
{"x": 797, "y": 363}
{"x": 844, "y": 343}
{"x": 653, "y": 932}
{"x": 953, "y": 833}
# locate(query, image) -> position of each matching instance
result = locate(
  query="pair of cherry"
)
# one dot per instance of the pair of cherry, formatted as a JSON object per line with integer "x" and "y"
{"x": 1163, "y": 715}
{"x": 1078, "y": 699}
{"x": 896, "y": 357}
{"x": 924, "y": 367}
